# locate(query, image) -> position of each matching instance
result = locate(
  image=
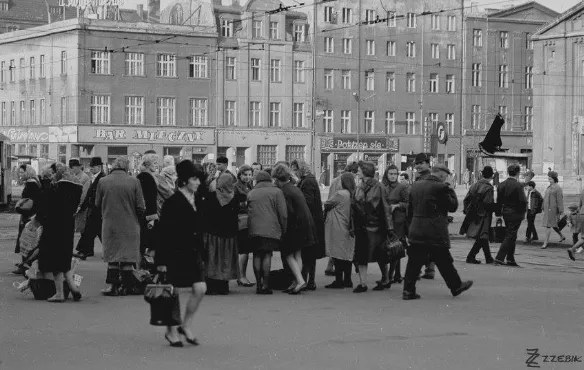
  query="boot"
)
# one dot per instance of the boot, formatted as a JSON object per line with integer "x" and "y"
{"x": 409, "y": 292}
{"x": 114, "y": 283}
{"x": 129, "y": 283}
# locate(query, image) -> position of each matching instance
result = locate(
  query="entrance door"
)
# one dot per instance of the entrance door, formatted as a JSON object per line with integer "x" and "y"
{"x": 240, "y": 157}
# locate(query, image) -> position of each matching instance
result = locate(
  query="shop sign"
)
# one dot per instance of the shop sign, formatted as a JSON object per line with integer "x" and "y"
{"x": 350, "y": 143}
{"x": 28, "y": 135}
{"x": 146, "y": 135}
{"x": 372, "y": 157}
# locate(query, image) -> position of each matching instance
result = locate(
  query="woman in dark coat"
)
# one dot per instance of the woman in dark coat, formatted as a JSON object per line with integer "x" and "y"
{"x": 479, "y": 205}
{"x": 300, "y": 229}
{"x": 311, "y": 191}
{"x": 148, "y": 229}
{"x": 242, "y": 188}
{"x": 56, "y": 214}
{"x": 180, "y": 254}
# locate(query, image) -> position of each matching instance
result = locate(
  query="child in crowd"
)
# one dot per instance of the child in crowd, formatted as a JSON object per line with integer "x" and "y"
{"x": 575, "y": 220}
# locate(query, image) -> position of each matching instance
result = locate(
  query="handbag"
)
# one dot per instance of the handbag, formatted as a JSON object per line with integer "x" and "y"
{"x": 497, "y": 233}
{"x": 24, "y": 206}
{"x": 561, "y": 223}
{"x": 164, "y": 304}
{"x": 242, "y": 221}
{"x": 394, "y": 247}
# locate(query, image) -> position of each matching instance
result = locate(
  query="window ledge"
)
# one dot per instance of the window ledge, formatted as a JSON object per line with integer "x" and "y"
{"x": 169, "y": 77}
{"x": 198, "y": 78}
{"x": 139, "y": 76}
{"x": 101, "y": 74}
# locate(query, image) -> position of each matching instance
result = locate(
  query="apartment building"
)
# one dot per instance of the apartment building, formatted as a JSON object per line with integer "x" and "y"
{"x": 89, "y": 87}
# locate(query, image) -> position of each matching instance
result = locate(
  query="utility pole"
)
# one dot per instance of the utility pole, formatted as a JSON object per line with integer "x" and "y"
{"x": 314, "y": 75}
{"x": 462, "y": 89}
{"x": 359, "y": 78}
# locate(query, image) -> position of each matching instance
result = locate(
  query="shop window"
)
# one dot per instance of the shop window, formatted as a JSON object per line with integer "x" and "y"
{"x": 32, "y": 150}
{"x": 75, "y": 151}
{"x": 172, "y": 150}
{"x": 294, "y": 152}
{"x": 198, "y": 158}
{"x": 266, "y": 154}
{"x": 44, "y": 151}
{"x": 116, "y": 151}
{"x": 21, "y": 149}
{"x": 63, "y": 154}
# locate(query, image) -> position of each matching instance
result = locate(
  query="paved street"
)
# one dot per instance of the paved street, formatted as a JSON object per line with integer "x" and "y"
{"x": 489, "y": 327}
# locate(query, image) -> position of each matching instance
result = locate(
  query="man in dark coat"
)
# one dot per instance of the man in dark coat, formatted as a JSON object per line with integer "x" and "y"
{"x": 534, "y": 206}
{"x": 422, "y": 166}
{"x": 148, "y": 234}
{"x": 93, "y": 215}
{"x": 430, "y": 201}
{"x": 492, "y": 142}
{"x": 479, "y": 205}
{"x": 512, "y": 205}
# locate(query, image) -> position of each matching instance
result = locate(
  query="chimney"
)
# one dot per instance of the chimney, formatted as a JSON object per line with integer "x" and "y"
{"x": 154, "y": 11}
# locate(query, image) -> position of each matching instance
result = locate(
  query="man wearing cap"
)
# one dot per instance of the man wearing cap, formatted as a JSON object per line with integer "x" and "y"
{"x": 422, "y": 167}
{"x": 93, "y": 216}
{"x": 429, "y": 203}
{"x": 83, "y": 178}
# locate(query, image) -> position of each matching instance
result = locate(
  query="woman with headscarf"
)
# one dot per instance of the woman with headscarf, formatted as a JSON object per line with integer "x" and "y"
{"x": 221, "y": 229}
{"x": 242, "y": 188}
{"x": 149, "y": 168}
{"x": 309, "y": 187}
{"x": 56, "y": 215}
{"x": 165, "y": 181}
{"x": 553, "y": 208}
{"x": 339, "y": 233}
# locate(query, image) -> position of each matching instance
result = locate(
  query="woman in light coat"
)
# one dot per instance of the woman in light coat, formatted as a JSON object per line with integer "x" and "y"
{"x": 553, "y": 208}
{"x": 339, "y": 234}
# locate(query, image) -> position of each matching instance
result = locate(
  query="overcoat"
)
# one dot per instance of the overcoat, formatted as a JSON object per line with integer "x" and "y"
{"x": 479, "y": 205}
{"x": 340, "y": 240}
{"x": 398, "y": 194}
{"x": 553, "y": 205}
{"x": 300, "y": 230}
{"x": 119, "y": 196}
{"x": 311, "y": 191}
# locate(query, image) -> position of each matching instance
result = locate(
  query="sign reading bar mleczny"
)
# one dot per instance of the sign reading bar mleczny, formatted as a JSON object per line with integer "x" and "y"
{"x": 344, "y": 143}
{"x": 144, "y": 135}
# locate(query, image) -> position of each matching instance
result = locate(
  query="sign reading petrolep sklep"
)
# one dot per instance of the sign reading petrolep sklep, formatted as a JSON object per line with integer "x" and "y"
{"x": 351, "y": 143}
{"x": 144, "y": 135}
{"x": 88, "y": 3}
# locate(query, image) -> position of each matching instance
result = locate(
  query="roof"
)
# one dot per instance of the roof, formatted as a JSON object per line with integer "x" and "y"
{"x": 509, "y": 12}
{"x": 564, "y": 16}
{"x": 34, "y": 11}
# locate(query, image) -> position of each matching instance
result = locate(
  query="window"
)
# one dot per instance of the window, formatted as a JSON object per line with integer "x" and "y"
{"x": 275, "y": 70}
{"x": 32, "y": 112}
{"x": 451, "y": 51}
{"x": 328, "y": 14}
{"x": 230, "y": 68}
{"x": 347, "y": 46}
{"x": 55, "y": 10}
{"x": 411, "y": 49}
{"x": 391, "y": 19}
{"x": 450, "y": 84}
{"x": 134, "y": 110}
{"x": 369, "y": 80}
{"x": 411, "y": 82}
{"x": 32, "y": 68}
{"x": 504, "y": 39}
{"x": 391, "y": 48}
{"x": 4, "y": 115}
{"x": 477, "y": 37}
{"x": 451, "y": 23}
{"x": 294, "y": 152}
{"x": 11, "y": 69}
{"x": 100, "y": 109}
{"x": 255, "y": 113}
{"x": 63, "y": 62}
{"x": 256, "y": 29}
{"x": 274, "y": 31}
{"x": 370, "y": 47}
{"x": 503, "y": 113}
{"x": 390, "y": 79}
{"x": 134, "y": 63}
{"x": 12, "y": 113}
{"x": 475, "y": 117}
{"x": 449, "y": 118}
{"x": 329, "y": 45}
{"x": 298, "y": 115}
{"x": 434, "y": 83}
{"x": 230, "y": 113}
{"x": 477, "y": 74}
{"x": 528, "y": 119}
{"x": 299, "y": 33}
{"x": 434, "y": 120}
{"x": 275, "y": 115}
{"x": 2, "y": 72}
{"x": 410, "y": 123}
{"x": 328, "y": 79}
{"x": 100, "y": 62}
{"x": 42, "y": 111}
{"x": 390, "y": 122}
{"x": 503, "y": 76}
{"x": 347, "y": 15}
{"x": 435, "y": 51}
{"x": 21, "y": 70}
{"x": 22, "y": 113}
{"x": 226, "y": 28}
{"x": 529, "y": 77}
{"x": 267, "y": 154}
{"x": 165, "y": 111}
{"x": 346, "y": 79}
{"x": 43, "y": 67}
{"x": 4, "y": 7}
{"x": 256, "y": 72}
{"x": 369, "y": 121}
{"x": 369, "y": 15}
{"x": 64, "y": 111}
{"x": 345, "y": 121}
{"x": 198, "y": 67}
{"x": 327, "y": 120}
{"x": 435, "y": 22}
{"x": 166, "y": 65}
{"x": 44, "y": 151}
{"x": 411, "y": 20}
{"x": 299, "y": 75}
{"x": 528, "y": 42}
{"x": 199, "y": 112}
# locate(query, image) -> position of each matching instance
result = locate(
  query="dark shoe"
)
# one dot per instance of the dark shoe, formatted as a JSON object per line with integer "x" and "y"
{"x": 534, "y": 239}
{"x": 512, "y": 264}
{"x": 474, "y": 262}
{"x": 348, "y": 284}
{"x": 571, "y": 254}
{"x": 246, "y": 285}
{"x": 289, "y": 289}
{"x": 329, "y": 272}
{"x": 397, "y": 280}
{"x": 265, "y": 291}
{"x": 83, "y": 256}
{"x": 527, "y": 240}
{"x": 111, "y": 291}
{"x": 298, "y": 289}
{"x": 310, "y": 286}
{"x": 173, "y": 344}
{"x": 463, "y": 287}
{"x": 409, "y": 296}
{"x": 490, "y": 262}
{"x": 192, "y": 341}
{"x": 428, "y": 276}
{"x": 360, "y": 289}
{"x": 497, "y": 262}
{"x": 380, "y": 286}
{"x": 76, "y": 296}
{"x": 335, "y": 285}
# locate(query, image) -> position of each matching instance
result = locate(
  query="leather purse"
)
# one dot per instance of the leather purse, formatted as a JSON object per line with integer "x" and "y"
{"x": 563, "y": 222}
{"x": 164, "y": 304}
{"x": 497, "y": 233}
{"x": 394, "y": 247}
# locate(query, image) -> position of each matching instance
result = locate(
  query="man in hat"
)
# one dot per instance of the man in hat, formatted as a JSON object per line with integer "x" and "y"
{"x": 93, "y": 216}
{"x": 422, "y": 167}
{"x": 430, "y": 201}
{"x": 83, "y": 178}
{"x": 222, "y": 167}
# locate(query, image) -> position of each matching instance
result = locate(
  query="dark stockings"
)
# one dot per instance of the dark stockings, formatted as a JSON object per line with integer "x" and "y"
{"x": 343, "y": 270}
{"x": 262, "y": 263}
{"x": 308, "y": 269}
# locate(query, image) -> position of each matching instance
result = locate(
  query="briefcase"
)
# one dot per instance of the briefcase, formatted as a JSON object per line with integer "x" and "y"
{"x": 497, "y": 233}
{"x": 562, "y": 222}
{"x": 164, "y": 305}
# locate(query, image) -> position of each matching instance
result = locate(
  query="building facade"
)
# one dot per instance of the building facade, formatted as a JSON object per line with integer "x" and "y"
{"x": 87, "y": 87}
{"x": 499, "y": 74}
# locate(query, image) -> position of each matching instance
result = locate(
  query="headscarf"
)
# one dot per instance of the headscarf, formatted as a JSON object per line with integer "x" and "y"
{"x": 348, "y": 183}
{"x": 225, "y": 189}
{"x": 385, "y": 179}
{"x": 303, "y": 168}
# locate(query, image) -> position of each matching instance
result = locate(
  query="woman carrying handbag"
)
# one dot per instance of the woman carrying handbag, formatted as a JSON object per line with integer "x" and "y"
{"x": 179, "y": 256}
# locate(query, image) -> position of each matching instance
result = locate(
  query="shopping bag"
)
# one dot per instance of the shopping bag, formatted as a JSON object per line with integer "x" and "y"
{"x": 394, "y": 247}
{"x": 497, "y": 233}
{"x": 30, "y": 237}
{"x": 164, "y": 304}
{"x": 561, "y": 223}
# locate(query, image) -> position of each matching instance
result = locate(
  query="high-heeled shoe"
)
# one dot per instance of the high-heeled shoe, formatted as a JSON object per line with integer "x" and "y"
{"x": 562, "y": 240}
{"x": 289, "y": 289}
{"x": 76, "y": 296}
{"x": 173, "y": 344}
{"x": 192, "y": 341}
{"x": 298, "y": 289}
{"x": 249, "y": 284}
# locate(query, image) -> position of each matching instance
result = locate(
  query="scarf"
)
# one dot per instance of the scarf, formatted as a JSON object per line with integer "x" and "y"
{"x": 224, "y": 189}
{"x": 242, "y": 187}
